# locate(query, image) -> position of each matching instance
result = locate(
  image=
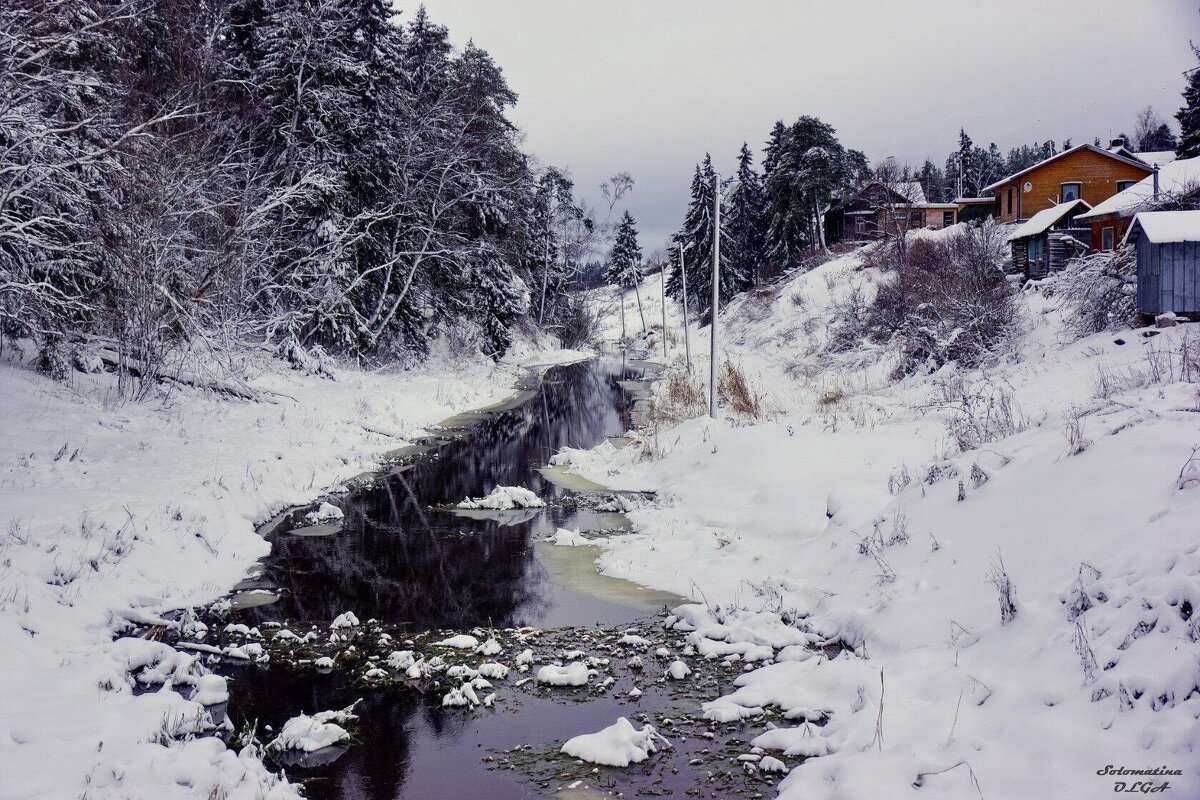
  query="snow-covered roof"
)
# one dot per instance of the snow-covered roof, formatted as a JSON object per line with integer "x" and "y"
{"x": 974, "y": 201}
{"x": 912, "y": 191}
{"x": 1045, "y": 219}
{"x": 1176, "y": 177}
{"x": 1124, "y": 159}
{"x": 1167, "y": 226}
{"x": 1159, "y": 157}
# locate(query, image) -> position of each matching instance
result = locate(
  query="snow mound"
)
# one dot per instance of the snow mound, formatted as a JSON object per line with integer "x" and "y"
{"x": 618, "y": 745}
{"x": 326, "y": 512}
{"x": 308, "y": 733}
{"x": 574, "y": 674}
{"x": 345, "y": 620}
{"x": 565, "y": 538}
{"x": 505, "y": 498}
{"x": 211, "y": 690}
{"x": 462, "y": 641}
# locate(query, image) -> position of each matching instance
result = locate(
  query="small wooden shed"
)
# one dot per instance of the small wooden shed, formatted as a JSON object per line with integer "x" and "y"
{"x": 1048, "y": 240}
{"x": 1167, "y": 244}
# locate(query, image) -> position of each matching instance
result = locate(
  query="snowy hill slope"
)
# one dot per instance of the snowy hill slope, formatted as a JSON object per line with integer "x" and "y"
{"x": 1011, "y": 554}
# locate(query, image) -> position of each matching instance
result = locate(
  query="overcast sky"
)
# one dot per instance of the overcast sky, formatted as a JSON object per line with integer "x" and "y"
{"x": 649, "y": 86}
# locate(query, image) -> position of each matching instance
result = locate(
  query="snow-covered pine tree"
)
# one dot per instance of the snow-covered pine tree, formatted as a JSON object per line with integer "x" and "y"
{"x": 625, "y": 263}
{"x": 1189, "y": 115}
{"x": 812, "y": 168}
{"x": 696, "y": 236}
{"x": 745, "y": 223}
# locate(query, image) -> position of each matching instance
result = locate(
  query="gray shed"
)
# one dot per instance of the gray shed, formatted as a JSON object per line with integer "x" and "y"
{"x": 1168, "y": 261}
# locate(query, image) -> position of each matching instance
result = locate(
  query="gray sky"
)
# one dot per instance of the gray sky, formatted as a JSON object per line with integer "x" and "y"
{"x": 649, "y": 86}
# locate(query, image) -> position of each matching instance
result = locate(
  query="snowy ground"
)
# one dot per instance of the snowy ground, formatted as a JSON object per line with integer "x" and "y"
{"x": 115, "y": 512}
{"x": 850, "y": 504}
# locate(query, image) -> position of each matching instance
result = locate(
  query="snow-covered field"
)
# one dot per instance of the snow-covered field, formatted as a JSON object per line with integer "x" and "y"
{"x": 893, "y": 516}
{"x": 115, "y": 512}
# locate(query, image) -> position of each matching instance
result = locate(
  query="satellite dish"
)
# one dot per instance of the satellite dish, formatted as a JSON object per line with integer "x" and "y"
{"x": 1028, "y": 187}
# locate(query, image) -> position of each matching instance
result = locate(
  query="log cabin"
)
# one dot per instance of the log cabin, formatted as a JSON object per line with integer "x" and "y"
{"x": 1045, "y": 242}
{"x": 878, "y": 210}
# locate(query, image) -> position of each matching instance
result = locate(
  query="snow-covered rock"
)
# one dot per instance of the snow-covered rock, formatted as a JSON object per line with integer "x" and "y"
{"x": 504, "y": 498}
{"x": 326, "y": 512}
{"x": 573, "y": 674}
{"x": 345, "y": 620}
{"x": 618, "y": 745}
{"x": 462, "y": 641}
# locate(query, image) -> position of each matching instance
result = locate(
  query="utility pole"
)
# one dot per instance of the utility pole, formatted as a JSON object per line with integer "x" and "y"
{"x": 687, "y": 339}
{"x": 716, "y": 297}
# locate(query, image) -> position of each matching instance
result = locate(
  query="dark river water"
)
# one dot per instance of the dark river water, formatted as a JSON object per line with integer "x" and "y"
{"x": 400, "y": 561}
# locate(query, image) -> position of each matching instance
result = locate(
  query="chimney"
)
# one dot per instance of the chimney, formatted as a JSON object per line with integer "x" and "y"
{"x": 1117, "y": 141}
{"x": 1155, "y": 173}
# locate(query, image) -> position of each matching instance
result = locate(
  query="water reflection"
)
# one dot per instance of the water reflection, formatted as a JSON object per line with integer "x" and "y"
{"x": 399, "y": 561}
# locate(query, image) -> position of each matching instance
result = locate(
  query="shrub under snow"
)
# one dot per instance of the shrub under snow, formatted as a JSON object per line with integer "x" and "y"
{"x": 946, "y": 299}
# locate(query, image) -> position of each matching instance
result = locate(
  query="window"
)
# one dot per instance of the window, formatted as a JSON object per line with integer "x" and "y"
{"x": 860, "y": 225}
{"x": 1123, "y": 185}
{"x": 1071, "y": 191}
{"x": 947, "y": 219}
{"x": 1106, "y": 237}
{"x": 915, "y": 220}
{"x": 1035, "y": 249}
{"x": 1010, "y": 201}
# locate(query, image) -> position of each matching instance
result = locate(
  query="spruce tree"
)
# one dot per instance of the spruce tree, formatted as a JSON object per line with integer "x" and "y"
{"x": 696, "y": 237}
{"x": 625, "y": 264}
{"x": 1189, "y": 115}
{"x": 966, "y": 164}
{"x": 745, "y": 223}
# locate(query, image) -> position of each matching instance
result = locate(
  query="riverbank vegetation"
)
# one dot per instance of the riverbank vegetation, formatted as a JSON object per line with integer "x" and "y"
{"x": 179, "y": 181}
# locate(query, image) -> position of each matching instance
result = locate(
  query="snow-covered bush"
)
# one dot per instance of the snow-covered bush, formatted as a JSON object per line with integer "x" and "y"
{"x": 1098, "y": 292}
{"x": 946, "y": 300}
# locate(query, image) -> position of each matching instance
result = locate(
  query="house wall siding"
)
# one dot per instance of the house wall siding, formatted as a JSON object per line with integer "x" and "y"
{"x": 1098, "y": 175}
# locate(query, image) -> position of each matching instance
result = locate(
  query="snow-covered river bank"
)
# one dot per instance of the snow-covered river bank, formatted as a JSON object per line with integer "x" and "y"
{"x": 115, "y": 513}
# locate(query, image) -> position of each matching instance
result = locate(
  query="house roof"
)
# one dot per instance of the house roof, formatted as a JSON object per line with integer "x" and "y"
{"x": 1174, "y": 178}
{"x": 1160, "y": 157}
{"x": 974, "y": 201}
{"x": 909, "y": 192}
{"x": 1124, "y": 159}
{"x": 1166, "y": 226}
{"x": 1045, "y": 219}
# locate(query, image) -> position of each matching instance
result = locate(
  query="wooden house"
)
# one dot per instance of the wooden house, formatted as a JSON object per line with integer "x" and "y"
{"x": 1085, "y": 172}
{"x": 1167, "y": 244}
{"x": 1176, "y": 182}
{"x": 878, "y": 210}
{"x": 1049, "y": 239}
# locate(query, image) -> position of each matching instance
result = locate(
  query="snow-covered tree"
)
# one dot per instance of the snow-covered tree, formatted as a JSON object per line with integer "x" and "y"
{"x": 697, "y": 238}
{"x": 1189, "y": 115}
{"x": 811, "y": 169}
{"x": 746, "y": 224}
{"x": 625, "y": 264}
